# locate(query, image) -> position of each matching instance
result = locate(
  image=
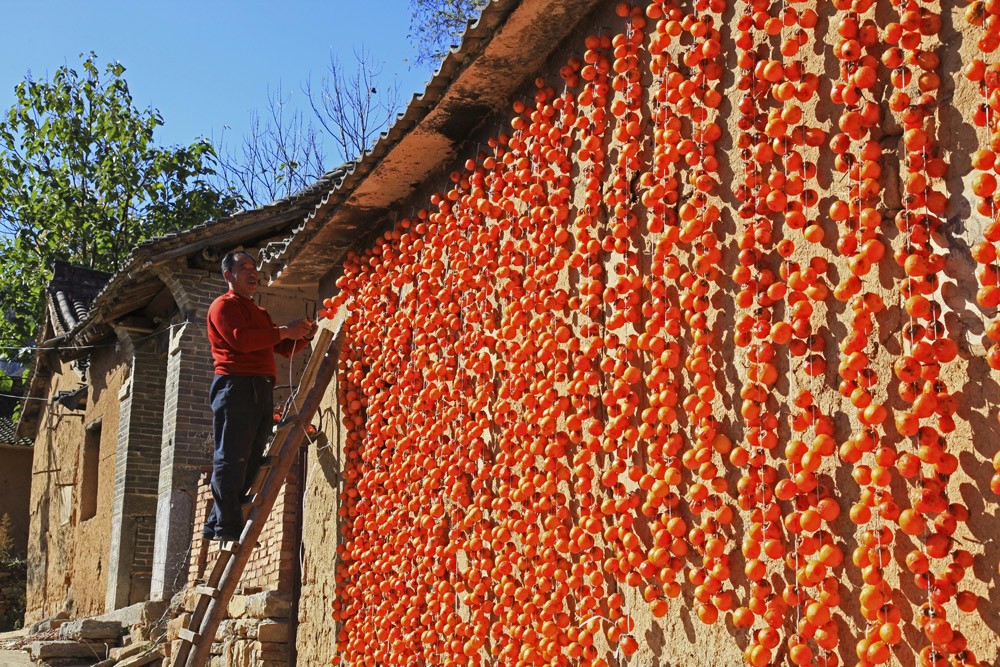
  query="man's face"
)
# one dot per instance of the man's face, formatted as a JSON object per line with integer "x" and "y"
{"x": 243, "y": 278}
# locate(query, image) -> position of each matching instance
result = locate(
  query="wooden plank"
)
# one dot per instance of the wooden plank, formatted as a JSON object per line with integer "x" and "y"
{"x": 219, "y": 566}
{"x": 200, "y": 607}
{"x": 206, "y": 591}
{"x": 317, "y": 376}
{"x": 222, "y": 557}
{"x": 188, "y": 635}
{"x": 245, "y": 229}
{"x": 181, "y": 653}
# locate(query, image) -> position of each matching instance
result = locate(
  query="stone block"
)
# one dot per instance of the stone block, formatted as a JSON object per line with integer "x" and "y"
{"x": 268, "y": 604}
{"x": 129, "y": 615}
{"x": 238, "y": 628}
{"x": 91, "y": 629}
{"x": 175, "y": 624}
{"x": 150, "y": 658}
{"x": 241, "y": 652}
{"x": 140, "y": 612}
{"x": 153, "y": 611}
{"x": 46, "y": 624}
{"x": 140, "y": 634}
{"x": 237, "y": 606}
{"x": 122, "y": 652}
{"x": 61, "y": 648}
{"x": 272, "y": 631}
{"x": 274, "y": 653}
{"x": 189, "y": 598}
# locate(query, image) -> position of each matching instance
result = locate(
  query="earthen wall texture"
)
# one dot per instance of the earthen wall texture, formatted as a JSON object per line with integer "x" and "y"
{"x": 68, "y": 557}
{"x": 577, "y": 423}
{"x": 315, "y": 636}
{"x": 15, "y": 492}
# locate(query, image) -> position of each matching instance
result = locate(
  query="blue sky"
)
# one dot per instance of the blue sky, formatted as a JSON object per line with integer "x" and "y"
{"x": 206, "y": 64}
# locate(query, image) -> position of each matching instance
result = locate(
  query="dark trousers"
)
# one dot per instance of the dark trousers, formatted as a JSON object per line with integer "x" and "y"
{"x": 242, "y": 408}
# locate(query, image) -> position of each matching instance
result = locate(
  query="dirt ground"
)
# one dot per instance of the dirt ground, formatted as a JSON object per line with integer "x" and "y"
{"x": 14, "y": 658}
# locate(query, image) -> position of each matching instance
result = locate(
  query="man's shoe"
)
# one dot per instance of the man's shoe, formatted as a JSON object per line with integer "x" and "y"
{"x": 226, "y": 537}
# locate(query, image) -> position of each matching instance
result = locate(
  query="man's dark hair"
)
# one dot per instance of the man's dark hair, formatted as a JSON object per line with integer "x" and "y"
{"x": 229, "y": 261}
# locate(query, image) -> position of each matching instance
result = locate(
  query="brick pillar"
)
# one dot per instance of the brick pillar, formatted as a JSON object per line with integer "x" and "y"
{"x": 187, "y": 425}
{"x": 137, "y": 467}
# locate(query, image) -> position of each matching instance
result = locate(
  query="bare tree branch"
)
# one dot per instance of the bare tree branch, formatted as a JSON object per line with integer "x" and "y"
{"x": 283, "y": 151}
{"x": 280, "y": 154}
{"x": 351, "y": 107}
{"x": 437, "y": 25}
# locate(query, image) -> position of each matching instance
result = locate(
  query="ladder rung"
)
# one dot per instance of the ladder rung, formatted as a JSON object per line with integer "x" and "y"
{"x": 207, "y": 591}
{"x": 188, "y": 635}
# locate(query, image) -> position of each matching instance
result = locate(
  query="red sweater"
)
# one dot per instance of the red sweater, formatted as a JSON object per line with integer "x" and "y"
{"x": 244, "y": 338}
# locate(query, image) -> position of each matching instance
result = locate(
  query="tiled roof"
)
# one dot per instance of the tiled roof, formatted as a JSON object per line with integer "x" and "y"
{"x": 7, "y": 434}
{"x": 135, "y": 282}
{"x": 70, "y": 293}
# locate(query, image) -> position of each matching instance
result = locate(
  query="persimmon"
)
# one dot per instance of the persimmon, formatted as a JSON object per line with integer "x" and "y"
{"x": 569, "y": 397}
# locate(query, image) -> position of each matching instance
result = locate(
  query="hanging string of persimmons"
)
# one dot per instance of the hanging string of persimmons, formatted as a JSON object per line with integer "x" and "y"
{"x": 531, "y": 382}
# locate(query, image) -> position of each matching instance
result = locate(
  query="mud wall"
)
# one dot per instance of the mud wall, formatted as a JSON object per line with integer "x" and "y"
{"x": 67, "y": 555}
{"x": 15, "y": 489}
{"x": 689, "y": 361}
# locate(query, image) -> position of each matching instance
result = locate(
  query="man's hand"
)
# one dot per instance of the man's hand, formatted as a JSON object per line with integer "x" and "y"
{"x": 313, "y": 328}
{"x": 298, "y": 329}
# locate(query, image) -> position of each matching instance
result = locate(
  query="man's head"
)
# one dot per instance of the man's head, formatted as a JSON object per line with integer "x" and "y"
{"x": 239, "y": 268}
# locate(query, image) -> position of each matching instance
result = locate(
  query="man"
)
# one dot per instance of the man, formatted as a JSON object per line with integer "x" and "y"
{"x": 244, "y": 340}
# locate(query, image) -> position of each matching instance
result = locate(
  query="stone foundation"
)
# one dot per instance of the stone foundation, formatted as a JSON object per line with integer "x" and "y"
{"x": 256, "y": 632}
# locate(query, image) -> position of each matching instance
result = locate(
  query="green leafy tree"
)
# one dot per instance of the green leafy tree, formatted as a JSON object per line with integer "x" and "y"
{"x": 82, "y": 180}
{"x": 437, "y": 25}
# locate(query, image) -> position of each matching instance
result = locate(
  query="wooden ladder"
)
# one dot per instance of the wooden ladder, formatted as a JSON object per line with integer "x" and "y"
{"x": 214, "y": 595}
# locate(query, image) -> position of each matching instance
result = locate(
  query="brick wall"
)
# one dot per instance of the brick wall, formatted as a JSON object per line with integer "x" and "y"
{"x": 137, "y": 464}
{"x": 270, "y": 566}
{"x": 187, "y": 424}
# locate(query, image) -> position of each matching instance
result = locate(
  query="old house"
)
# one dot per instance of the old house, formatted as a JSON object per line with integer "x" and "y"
{"x": 611, "y": 381}
{"x": 15, "y": 485}
{"x": 118, "y": 413}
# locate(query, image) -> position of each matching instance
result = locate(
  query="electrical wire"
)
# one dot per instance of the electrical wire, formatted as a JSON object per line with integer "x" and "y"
{"x": 93, "y": 347}
{"x": 24, "y": 398}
